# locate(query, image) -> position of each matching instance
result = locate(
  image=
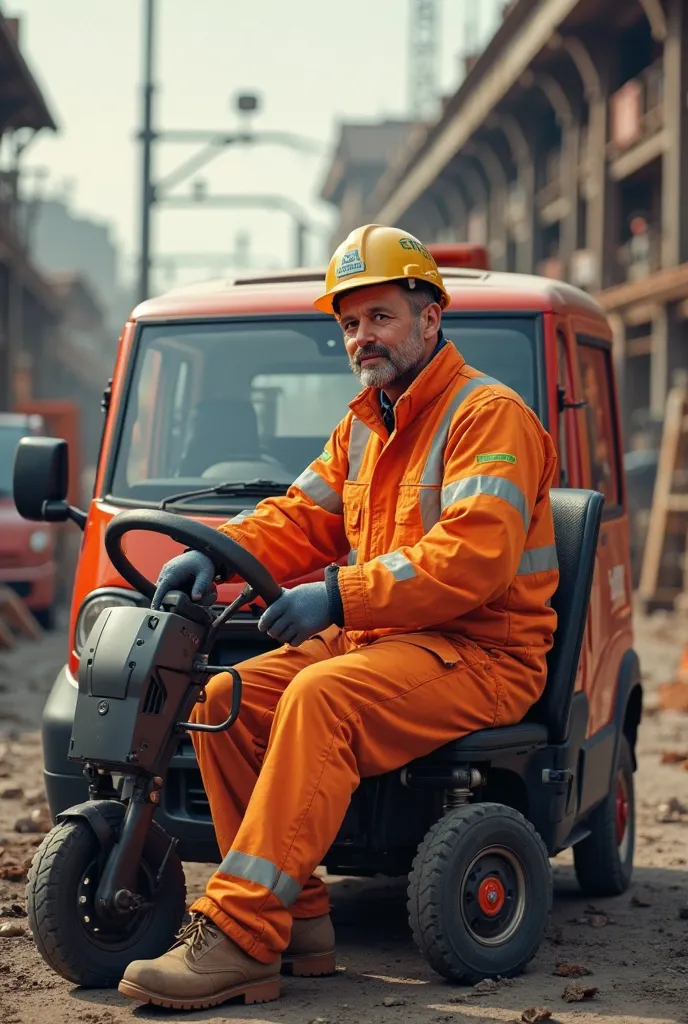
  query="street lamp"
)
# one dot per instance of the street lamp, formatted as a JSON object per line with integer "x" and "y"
{"x": 212, "y": 144}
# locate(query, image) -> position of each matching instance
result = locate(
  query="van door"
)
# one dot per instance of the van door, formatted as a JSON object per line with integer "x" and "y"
{"x": 610, "y": 605}
{"x": 568, "y": 442}
{"x": 566, "y": 436}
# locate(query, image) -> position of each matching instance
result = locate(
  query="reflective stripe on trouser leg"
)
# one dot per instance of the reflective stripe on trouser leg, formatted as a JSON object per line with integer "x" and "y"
{"x": 263, "y": 872}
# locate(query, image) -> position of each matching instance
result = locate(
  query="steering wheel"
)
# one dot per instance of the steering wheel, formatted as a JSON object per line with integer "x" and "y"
{"x": 227, "y": 556}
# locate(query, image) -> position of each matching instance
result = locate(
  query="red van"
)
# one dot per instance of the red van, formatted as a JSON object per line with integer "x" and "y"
{"x": 27, "y": 550}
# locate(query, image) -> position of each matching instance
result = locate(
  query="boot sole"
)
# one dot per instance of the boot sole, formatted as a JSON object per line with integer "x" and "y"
{"x": 258, "y": 992}
{"x": 309, "y": 966}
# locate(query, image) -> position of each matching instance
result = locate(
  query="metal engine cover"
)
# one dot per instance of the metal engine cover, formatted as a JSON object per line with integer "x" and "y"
{"x": 136, "y": 681}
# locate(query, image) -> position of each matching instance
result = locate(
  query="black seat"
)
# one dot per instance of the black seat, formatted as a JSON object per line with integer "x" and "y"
{"x": 577, "y": 515}
{"x": 221, "y": 430}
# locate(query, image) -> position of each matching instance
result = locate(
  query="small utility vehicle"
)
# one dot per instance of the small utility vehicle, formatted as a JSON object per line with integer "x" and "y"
{"x": 221, "y": 396}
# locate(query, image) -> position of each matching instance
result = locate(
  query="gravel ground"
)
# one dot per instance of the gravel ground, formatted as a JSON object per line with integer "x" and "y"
{"x": 635, "y": 947}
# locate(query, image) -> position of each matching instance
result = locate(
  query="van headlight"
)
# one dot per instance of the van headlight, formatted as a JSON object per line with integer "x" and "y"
{"x": 39, "y": 541}
{"x": 91, "y": 609}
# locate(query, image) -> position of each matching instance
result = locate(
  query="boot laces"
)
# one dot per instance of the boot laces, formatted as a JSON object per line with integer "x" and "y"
{"x": 196, "y": 934}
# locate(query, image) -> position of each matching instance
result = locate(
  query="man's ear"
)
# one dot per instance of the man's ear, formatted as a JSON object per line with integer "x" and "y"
{"x": 433, "y": 318}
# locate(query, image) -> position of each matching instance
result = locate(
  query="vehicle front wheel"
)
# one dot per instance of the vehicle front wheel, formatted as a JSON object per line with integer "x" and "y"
{"x": 480, "y": 893}
{"x": 604, "y": 859}
{"x": 62, "y": 884}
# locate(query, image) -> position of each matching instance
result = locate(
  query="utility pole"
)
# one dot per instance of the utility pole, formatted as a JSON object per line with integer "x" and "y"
{"x": 155, "y": 193}
{"x": 147, "y": 137}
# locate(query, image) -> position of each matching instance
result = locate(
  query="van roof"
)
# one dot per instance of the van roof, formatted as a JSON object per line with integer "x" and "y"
{"x": 293, "y": 291}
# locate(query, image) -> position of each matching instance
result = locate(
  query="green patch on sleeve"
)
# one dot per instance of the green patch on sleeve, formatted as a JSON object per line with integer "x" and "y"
{"x": 325, "y": 457}
{"x": 495, "y": 457}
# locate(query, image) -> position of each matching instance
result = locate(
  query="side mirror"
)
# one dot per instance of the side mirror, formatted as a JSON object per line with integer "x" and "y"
{"x": 41, "y": 481}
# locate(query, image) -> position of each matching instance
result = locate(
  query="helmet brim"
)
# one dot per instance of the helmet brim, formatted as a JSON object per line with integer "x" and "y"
{"x": 325, "y": 303}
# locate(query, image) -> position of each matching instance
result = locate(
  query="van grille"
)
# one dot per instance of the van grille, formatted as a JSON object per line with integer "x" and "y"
{"x": 155, "y": 698}
{"x": 197, "y": 805}
{"x": 184, "y": 795}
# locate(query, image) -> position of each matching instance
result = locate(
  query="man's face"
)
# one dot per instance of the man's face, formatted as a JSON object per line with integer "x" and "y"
{"x": 384, "y": 340}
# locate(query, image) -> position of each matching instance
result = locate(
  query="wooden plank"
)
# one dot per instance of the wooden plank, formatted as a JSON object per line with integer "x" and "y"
{"x": 6, "y": 636}
{"x": 662, "y": 497}
{"x": 639, "y": 347}
{"x": 16, "y": 615}
{"x": 668, "y": 285}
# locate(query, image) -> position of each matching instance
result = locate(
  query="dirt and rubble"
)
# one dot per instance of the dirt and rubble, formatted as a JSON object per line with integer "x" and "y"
{"x": 617, "y": 960}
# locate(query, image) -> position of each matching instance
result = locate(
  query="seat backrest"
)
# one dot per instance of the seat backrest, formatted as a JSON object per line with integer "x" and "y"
{"x": 221, "y": 430}
{"x": 577, "y": 515}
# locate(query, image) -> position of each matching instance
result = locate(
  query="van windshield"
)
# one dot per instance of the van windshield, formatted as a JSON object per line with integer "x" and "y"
{"x": 9, "y": 439}
{"x": 256, "y": 399}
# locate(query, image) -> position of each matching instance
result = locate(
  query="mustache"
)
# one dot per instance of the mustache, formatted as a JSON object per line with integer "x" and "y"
{"x": 370, "y": 350}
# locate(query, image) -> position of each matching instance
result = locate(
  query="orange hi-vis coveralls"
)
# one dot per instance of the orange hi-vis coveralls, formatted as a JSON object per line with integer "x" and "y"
{"x": 447, "y": 622}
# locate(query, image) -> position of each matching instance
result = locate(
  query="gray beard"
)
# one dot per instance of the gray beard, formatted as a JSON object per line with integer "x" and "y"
{"x": 398, "y": 361}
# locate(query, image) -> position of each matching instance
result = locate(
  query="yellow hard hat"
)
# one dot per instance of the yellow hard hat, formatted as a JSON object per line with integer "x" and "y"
{"x": 374, "y": 254}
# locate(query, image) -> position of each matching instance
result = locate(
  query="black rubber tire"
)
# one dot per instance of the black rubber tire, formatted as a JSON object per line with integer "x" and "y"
{"x": 51, "y": 894}
{"x": 444, "y": 857}
{"x": 601, "y": 869}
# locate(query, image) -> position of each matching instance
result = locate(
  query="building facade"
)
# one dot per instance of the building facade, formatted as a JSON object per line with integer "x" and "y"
{"x": 565, "y": 151}
{"x": 29, "y": 309}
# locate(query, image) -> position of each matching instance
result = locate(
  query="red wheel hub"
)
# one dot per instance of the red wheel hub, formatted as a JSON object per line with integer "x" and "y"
{"x": 622, "y": 809}
{"x": 491, "y": 896}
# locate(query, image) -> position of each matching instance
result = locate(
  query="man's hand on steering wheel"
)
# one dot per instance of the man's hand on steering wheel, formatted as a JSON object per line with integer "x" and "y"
{"x": 192, "y": 568}
{"x": 211, "y": 556}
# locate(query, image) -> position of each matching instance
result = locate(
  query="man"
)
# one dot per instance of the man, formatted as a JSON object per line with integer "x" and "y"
{"x": 436, "y": 483}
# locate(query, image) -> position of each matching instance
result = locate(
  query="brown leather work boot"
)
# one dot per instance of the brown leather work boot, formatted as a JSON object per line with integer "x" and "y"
{"x": 310, "y": 952}
{"x": 203, "y": 968}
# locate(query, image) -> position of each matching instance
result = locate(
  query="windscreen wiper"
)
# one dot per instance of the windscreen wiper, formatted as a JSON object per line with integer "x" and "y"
{"x": 250, "y": 489}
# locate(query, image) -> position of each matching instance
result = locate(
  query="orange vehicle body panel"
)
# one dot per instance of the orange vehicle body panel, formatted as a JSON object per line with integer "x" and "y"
{"x": 566, "y": 313}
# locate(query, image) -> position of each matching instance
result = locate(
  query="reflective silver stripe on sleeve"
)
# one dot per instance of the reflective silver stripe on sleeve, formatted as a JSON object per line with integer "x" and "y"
{"x": 496, "y": 486}
{"x": 351, "y": 559}
{"x": 262, "y": 872}
{"x": 358, "y": 439}
{"x": 319, "y": 491}
{"x": 398, "y": 565}
{"x": 239, "y": 518}
{"x": 431, "y": 479}
{"x": 538, "y": 560}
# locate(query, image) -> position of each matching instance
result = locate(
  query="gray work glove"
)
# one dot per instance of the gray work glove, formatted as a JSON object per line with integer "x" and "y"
{"x": 298, "y": 614}
{"x": 191, "y": 567}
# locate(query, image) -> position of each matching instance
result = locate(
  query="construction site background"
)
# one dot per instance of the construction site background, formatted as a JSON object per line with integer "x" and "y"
{"x": 565, "y": 152}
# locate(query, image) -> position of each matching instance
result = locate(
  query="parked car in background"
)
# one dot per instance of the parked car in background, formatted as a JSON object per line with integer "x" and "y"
{"x": 27, "y": 550}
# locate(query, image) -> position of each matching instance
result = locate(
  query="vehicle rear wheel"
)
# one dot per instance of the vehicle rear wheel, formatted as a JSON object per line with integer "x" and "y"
{"x": 604, "y": 859}
{"x": 480, "y": 893}
{"x": 62, "y": 883}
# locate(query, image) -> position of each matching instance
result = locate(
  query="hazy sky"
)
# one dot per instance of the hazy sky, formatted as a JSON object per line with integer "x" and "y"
{"x": 313, "y": 63}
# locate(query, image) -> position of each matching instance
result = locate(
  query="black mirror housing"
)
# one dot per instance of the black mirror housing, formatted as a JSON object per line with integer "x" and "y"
{"x": 41, "y": 479}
